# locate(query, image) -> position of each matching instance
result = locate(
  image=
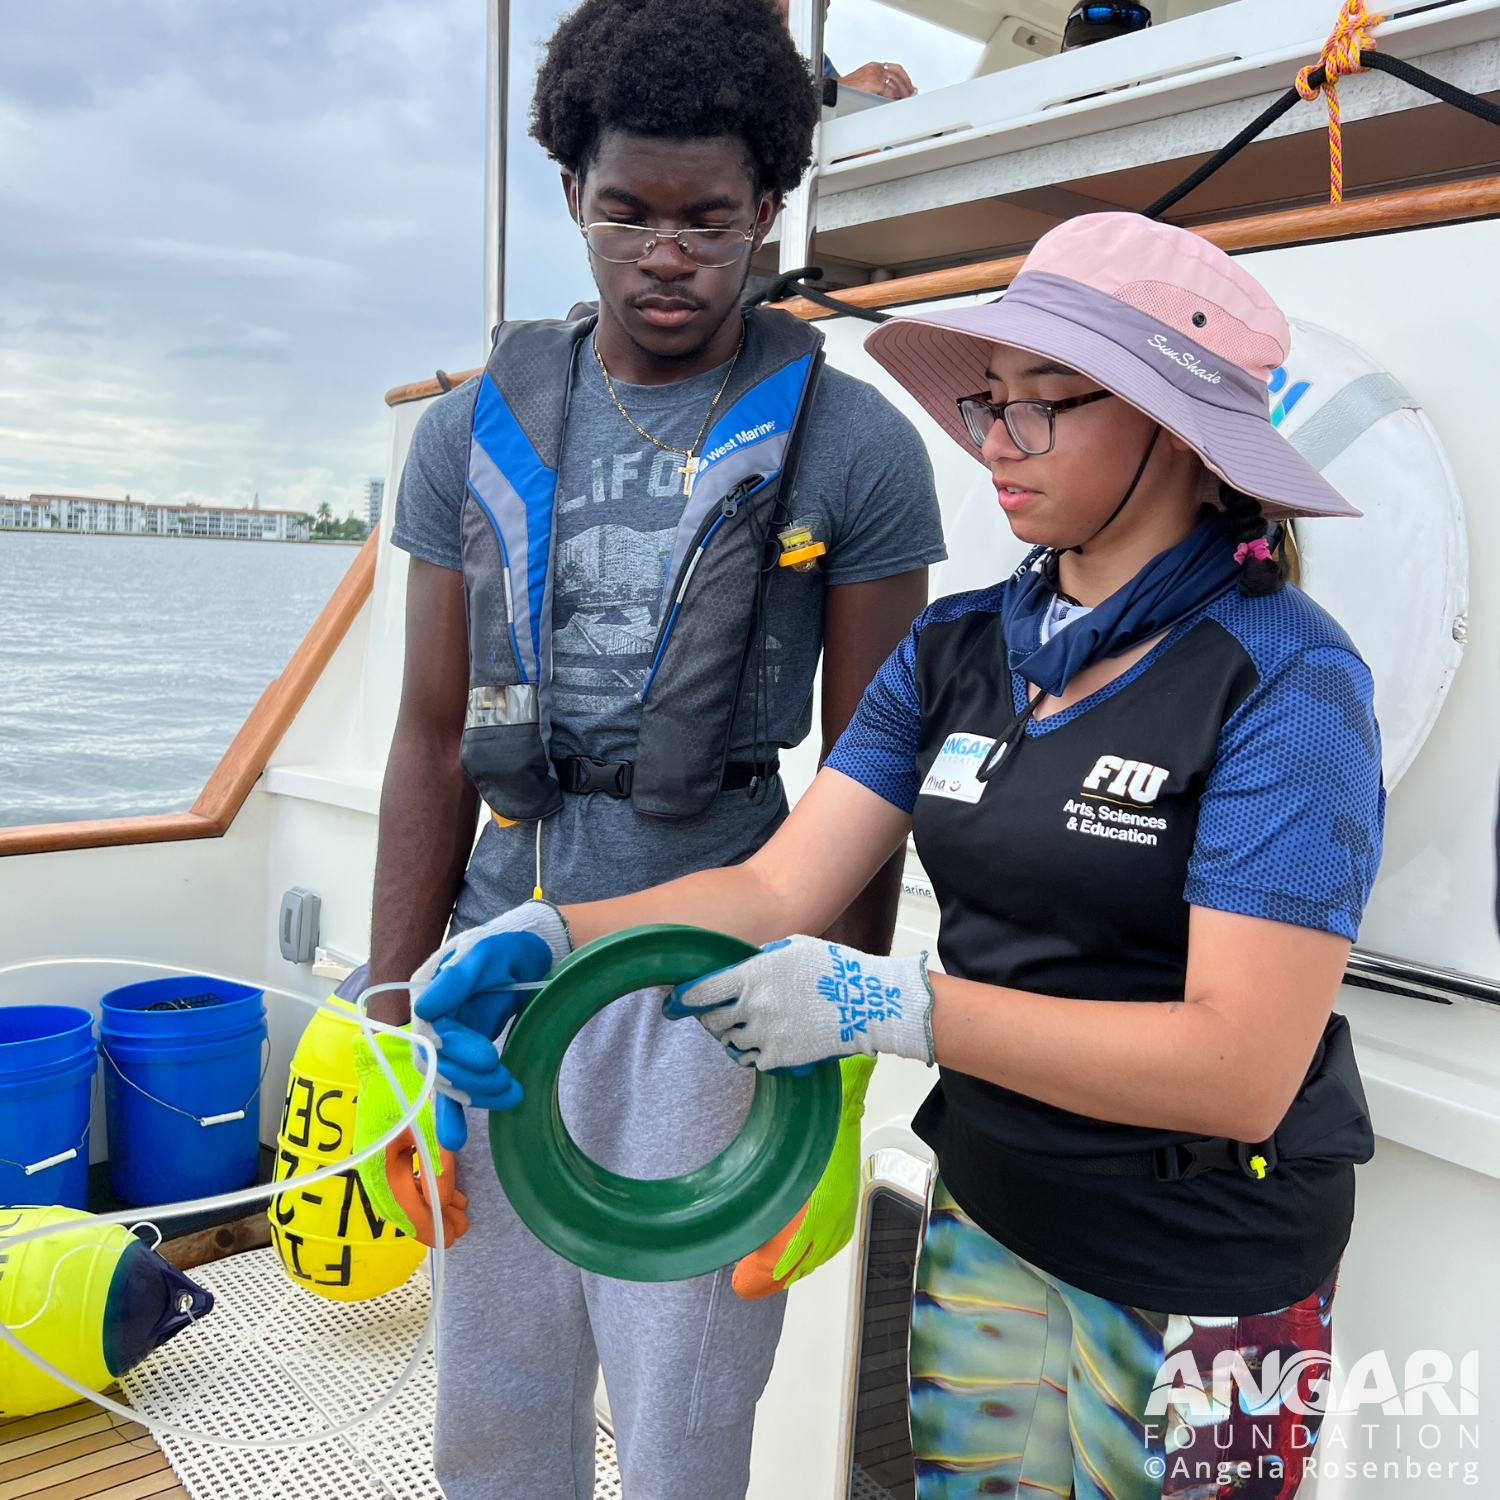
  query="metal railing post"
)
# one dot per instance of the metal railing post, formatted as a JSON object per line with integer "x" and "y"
{"x": 496, "y": 102}
{"x": 800, "y": 212}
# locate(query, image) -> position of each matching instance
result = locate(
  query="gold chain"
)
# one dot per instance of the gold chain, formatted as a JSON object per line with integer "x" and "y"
{"x": 689, "y": 469}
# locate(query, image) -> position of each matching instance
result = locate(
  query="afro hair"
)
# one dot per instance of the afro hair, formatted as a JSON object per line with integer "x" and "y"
{"x": 683, "y": 69}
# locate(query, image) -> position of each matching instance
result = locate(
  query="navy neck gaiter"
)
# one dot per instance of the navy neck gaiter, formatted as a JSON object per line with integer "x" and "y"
{"x": 1173, "y": 585}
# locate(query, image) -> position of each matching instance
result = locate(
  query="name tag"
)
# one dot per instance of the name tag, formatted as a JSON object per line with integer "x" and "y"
{"x": 952, "y": 774}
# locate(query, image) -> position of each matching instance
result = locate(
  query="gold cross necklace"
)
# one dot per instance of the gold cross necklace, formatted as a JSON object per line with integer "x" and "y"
{"x": 691, "y": 465}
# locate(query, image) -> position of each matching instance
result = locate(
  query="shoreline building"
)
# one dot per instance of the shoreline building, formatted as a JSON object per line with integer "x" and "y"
{"x": 89, "y": 514}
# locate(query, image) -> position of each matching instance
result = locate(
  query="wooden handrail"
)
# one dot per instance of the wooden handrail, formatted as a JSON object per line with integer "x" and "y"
{"x": 420, "y": 390}
{"x": 1380, "y": 213}
{"x": 226, "y": 789}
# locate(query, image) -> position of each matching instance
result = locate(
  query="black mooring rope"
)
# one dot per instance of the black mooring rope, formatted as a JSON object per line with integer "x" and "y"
{"x": 790, "y": 283}
{"x": 1380, "y": 62}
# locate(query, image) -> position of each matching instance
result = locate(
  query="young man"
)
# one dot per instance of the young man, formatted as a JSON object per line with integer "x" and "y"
{"x": 600, "y": 636}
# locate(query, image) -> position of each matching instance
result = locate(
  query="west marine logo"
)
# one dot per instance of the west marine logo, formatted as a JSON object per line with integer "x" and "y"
{"x": 739, "y": 440}
{"x": 1126, "y": 778}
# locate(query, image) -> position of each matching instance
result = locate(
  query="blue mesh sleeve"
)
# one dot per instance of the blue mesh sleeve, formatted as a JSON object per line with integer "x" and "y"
{"x": 879, "y": 747}
{"x": 1290, "y": 823}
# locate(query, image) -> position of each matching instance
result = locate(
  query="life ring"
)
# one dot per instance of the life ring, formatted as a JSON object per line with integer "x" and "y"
{"x": 666, "y": 1229}
{"x": 1355, "y": 422}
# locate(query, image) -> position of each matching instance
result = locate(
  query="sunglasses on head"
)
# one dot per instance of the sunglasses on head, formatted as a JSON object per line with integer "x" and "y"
{"x": 1099, "y": 20}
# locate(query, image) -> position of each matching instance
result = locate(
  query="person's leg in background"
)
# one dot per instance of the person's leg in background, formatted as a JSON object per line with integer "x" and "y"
{"x": 515, "y": 1356}
{"x": 684, "y": 1364}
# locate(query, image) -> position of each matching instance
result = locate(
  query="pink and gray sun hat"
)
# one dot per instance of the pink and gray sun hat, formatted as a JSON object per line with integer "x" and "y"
{"x": 1155, "y": 314}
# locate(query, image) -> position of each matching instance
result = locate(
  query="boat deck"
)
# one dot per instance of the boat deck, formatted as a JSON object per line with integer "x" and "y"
{"x": 269, "y": 1362}
{"x": 82, "y": 1453}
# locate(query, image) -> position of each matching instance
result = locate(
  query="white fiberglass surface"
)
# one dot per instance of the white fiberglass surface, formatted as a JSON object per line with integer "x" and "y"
{"x": 130, "y": 662}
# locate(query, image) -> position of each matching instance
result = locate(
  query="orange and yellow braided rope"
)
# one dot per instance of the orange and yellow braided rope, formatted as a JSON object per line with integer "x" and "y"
{"x": 1340, "y": 58}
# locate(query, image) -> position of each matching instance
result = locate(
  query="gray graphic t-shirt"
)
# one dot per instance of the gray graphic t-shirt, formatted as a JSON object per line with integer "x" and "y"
{"x": 620, "y": 499}
{"x": 864, "y": 481}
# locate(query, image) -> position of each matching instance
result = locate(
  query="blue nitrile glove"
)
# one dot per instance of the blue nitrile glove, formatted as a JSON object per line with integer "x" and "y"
{"x": 463, "y": 997}
{"x": 805, "y": 999}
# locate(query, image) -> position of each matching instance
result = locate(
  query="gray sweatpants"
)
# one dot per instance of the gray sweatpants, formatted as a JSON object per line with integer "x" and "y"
{"x": 523, "y": 1333}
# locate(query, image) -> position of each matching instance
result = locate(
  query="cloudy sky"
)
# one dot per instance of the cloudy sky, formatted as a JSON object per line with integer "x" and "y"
{"x": 231, "y": 225}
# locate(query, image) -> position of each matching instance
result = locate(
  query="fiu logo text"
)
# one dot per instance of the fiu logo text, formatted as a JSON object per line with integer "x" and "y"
{"x": 1126, "y": 778}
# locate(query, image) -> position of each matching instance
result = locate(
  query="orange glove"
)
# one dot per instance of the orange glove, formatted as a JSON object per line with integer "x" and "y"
{"x": 403, "y": 1173}
{"x": 825, "y": 1223}
{"x": 755, "y": 1276}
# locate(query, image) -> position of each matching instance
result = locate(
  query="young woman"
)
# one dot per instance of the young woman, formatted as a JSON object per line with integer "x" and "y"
{"x": 1144, "y": 777}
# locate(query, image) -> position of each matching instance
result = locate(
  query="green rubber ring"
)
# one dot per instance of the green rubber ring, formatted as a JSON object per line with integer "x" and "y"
{"x": 667, "y": 1229}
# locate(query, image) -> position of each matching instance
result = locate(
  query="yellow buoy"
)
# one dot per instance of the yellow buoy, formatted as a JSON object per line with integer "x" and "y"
{"x": 92, "y": 1300}
{"x": 329, "y": 1237}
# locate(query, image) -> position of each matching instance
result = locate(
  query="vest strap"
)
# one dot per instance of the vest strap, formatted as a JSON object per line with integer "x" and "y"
{"x": 582, "y": 775}
{"x": 1176, "y": 1162}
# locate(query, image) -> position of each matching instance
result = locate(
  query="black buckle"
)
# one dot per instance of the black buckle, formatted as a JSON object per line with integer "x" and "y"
{"x": 582, "y": 774}
{"x": 1184, "y": 1159}
{"x": 1176, "y": 1162}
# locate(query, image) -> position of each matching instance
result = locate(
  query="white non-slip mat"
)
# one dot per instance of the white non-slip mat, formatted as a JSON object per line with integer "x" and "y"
{"x": 273, "y": 1360}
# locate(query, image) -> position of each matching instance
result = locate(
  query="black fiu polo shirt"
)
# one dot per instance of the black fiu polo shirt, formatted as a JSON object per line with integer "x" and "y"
{"x": 1236, "y": 767}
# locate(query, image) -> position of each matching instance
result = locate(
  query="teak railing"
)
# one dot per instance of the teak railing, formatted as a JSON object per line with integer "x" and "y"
{"x": 226, "y": 789}
{"x": 251, "y": 748}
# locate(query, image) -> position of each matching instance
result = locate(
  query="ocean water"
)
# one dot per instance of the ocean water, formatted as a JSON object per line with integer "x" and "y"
{"x": 127, "y": 664}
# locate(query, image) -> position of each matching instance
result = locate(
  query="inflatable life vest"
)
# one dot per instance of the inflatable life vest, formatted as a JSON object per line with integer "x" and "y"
{"x": 711, "y": 593}
{"x": 329, "y": 1237}
{"x": 91, "y": 1300}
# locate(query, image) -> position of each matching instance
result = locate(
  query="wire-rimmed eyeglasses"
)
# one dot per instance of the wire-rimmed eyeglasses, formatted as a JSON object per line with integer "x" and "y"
{"x": 1030, "y": 424}
{"x": 622, "y": 244}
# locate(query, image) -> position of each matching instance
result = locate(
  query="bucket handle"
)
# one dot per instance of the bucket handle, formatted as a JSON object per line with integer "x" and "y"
{"x": 62, "y": 1156}
{"x": 204, "y": 1120}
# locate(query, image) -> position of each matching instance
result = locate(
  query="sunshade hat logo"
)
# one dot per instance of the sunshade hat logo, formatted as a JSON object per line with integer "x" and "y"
{"x": 1156, "y": 314}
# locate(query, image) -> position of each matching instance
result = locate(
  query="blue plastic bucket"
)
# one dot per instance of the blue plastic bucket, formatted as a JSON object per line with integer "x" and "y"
{"x": 47, "y": 1065}
{"x": 182, "y": 1087}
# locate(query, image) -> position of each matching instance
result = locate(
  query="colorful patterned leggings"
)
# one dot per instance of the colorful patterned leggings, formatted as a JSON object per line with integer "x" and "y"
{"x": 1022, "y": 1385}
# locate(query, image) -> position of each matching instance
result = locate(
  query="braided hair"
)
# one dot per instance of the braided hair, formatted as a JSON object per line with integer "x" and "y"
{"x": 1260, "y": 576}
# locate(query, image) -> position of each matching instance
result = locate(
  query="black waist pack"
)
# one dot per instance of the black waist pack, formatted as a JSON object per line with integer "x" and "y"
{"x": 1329, "y": 1119}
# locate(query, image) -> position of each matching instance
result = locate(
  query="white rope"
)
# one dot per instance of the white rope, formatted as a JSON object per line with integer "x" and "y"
{"x": 369, "y": 1028}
